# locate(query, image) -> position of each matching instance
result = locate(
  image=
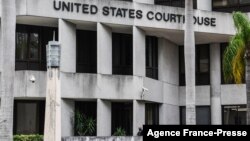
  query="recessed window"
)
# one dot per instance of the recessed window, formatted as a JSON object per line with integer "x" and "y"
{"x": 29, "y": 117}
{"x": 203, "y": 115}
{"x": 122, "y": 117}
{"x": 85, "y": 118}
{"x": 86, "y": 51}
{"x": 152, "y": 57}
{"x": 202, "y": 65}
{"x": 31, "y": 44}
{"x": 234, "y": 115}
{"x": 151, "y": 114}
{"x": 174, "y": 3}
{"x": 231, "y": 5}
{"x": 122, "y": 54}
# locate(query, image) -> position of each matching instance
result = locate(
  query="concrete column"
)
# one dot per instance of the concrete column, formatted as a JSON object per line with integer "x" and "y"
{"x": 215, "y": 79}
{"x": 52, "y": 128}
{"x": 139, "y": 52}
{"x": 68, "y": 113}
{"x": 204, "y": 5}
{"x": 103, "y": 118}
{"x": 138, "y": 116}
{"x": 1, "y": 51}
{"x": 168, "y": 62}
{"x": 144, "y": 1}
{"x": 104, "y": 49}
{"x": 169, "y": 114}
{"x": 67, "y": 38}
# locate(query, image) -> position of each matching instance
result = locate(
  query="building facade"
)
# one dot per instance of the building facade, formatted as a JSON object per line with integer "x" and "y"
{"x": 122, "y": 63}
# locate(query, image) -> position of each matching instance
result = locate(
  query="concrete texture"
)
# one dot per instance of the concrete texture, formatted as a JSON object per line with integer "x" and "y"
{"x": 68, "y": 112}
{"x": 215, "y": 79}
{"x": 202, "y": 95}
{"x": 204, "y": 5}
{"x": 170, "y": 114}
{"x": 103, "y": 118}
{"x": 138, "y": 116}
{"x": 139, "y": 52}
{"x": 102, "y": 138}
{"x": 168, "y": 65}
{"x": 144, "y": 1}
{"x": 233, "y": 94}
{"x": 67, "y": 39}
{"x": 104, "y": 49}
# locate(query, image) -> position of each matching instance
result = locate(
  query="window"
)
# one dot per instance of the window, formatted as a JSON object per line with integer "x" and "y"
{"x": 152, "y": 57}
{"x": 234, "y": 115}
{"x": 231, "y": 5}
{"x": 122, "y": 54}
{"x": 203, "y": 115}
{"x": 202, "y": 65}
{"x": 122, "y": 117}
{"x": 152, "y": 114}
{"x": 86, "y": 51}
{"x": 175, "y": 3}
{"x": 31, "y": 44}
{"x": 29, "y": 117}
{"x": 89, "y": 111}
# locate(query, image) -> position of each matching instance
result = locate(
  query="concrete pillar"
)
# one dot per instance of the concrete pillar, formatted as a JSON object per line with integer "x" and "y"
{"x": 139, "y": 52}
{"x": 68, "y": 112}
{"x": 103, "y": 118}
{"x": 169, "y": 114}
{"x": 138, "y": 116}
{"x": 204, "y": 5}
{"x": 52, "y": 128}
{"x": 1, "y": 51}
{"x": 67, "y": 38}
{"x": 144, "y": 1}
{"x": 168, "y": 61}
{"x": 104, "y": 49}
{"x": 215, "y": 79}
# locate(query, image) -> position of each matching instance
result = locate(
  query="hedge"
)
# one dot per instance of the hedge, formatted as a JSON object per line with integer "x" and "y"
{"x": 28, "y": 138}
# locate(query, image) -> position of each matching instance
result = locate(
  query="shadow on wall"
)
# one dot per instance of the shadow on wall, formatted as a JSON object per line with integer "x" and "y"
{"x": 111, "y": 138}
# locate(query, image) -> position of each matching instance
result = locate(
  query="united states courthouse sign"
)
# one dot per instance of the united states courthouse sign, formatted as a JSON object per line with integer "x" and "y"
{"x": 122, "y": 12}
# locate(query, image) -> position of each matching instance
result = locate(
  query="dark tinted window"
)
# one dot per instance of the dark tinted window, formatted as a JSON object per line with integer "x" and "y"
{"x": 231, "y": 5}
{"x": 151, "y": 114}
{"x": 122, "y": 54}
{"x": 86, "y": 51}
{"x": 203, "y": 115}
{"x": 234, "y": 115}
{"x": 29, "y": 117}
{"x": 202, "y": 65}
{"x": 122, "y": 117}
{"x": 175, "y": 3}
{"x": 31, "y": 44}
{"x": 152, "y": 57}
{"x": 89, "y": 111}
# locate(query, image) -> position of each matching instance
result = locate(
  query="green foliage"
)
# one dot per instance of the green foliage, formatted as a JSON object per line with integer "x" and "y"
{"x": 84, "y": 126}
{"x": 28, "y": 138}
{"x": 120, "y": 132}
{"x": 233, "y": 58}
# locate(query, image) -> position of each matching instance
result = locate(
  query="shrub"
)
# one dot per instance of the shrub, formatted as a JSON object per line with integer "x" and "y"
{"x": 119, "y": 132}
{"x": 84, "y": 126}
{"x": 28, "y": 138}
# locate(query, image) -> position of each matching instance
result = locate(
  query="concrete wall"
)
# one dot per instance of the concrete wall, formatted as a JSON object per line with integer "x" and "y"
{"x": 24, "y": 88}
{"x": 144, "y": 1}
{"x": 36, "y": 8}
{"x": 103, "y": 118}
{"x": 102, "y": 139}
{"x": 67, "y": 39}
{"x": 233, "y": 94}
{"x": 202, "y": 95}
{"x": 1, "y": 63}
{"x": 204, "y": 5}
{"x": 104, "y": 49}
{"x": 68, "y": 112}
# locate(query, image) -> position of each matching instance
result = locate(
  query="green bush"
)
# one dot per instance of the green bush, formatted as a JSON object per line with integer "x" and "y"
{"x": 28, "y": 138}
{"x": 119, "y": 132}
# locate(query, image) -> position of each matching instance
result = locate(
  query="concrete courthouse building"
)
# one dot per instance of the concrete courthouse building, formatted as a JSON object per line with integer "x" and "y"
{"x": 122, "y": 63}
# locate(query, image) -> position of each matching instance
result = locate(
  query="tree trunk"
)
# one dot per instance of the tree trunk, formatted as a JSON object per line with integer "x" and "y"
{"x": 189, "y": 50}
{"x": 247, "y": 59}
{"x": 8, "y": 23}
